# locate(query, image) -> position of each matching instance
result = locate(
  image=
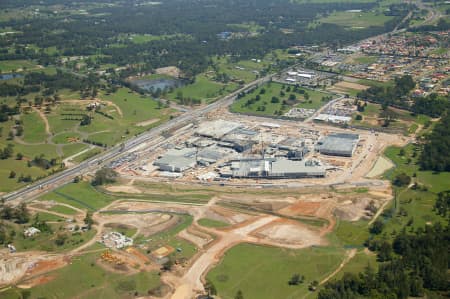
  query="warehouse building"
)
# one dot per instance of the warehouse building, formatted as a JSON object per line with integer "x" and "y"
{"x": 339, "y": 144}
{"x": 216, "y": 129}
{"x": 273, "y": 168}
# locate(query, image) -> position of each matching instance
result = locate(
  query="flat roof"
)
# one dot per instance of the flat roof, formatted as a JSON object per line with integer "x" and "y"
{"x": 217, "y": 129}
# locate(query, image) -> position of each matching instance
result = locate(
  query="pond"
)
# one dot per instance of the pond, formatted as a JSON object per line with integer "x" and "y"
{"x": 155, "y": 84}
{"x": 9, "y": 76}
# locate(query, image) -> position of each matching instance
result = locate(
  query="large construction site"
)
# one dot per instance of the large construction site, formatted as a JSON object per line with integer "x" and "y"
{"x": 237, "y": 150}
{"x": 275, "y": 182}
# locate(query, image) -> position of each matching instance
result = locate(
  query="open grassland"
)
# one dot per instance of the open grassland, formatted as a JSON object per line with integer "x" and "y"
{"x": 245, "y": 70}
{"x": 8, "y": 66}
{"x": 356, "y": 20}
{"x": 45, "y": 241}
{"x": 403, "y": 120}
{"x": 89, "y": 154}
{"x": 413, "y": 207}
{"x": 184, "y": 249}
{"x": 80, "y": 195}
{"x": 95, "y": 281}
{"x": 207, "y": 222}
{"x": 202, "y": 89}
{"x": 351, "y": 234}
{"x": 268, "y": 270}
{"x": 63, "y": 210}
{"x": 266, "y": 105}
{"x": 34, "y": 128}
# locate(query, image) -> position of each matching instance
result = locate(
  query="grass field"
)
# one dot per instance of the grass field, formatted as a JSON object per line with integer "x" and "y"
{"x": 245, "y": 70}
{"x": 356, "y": 20}
{"x": 212, "y": 223}
{"x": 184, "y": 248}
{"x": 65, "y": 138}
{"x": 8, "y": 66}
{"x": 263, "y": 272}
{"x": 265, "y": 106}
{"x": 63, "y": 210}
{"x": 46, "y": 241}
{"x": 80, "y": 195}
{"x": 89, "y": 154}
{"x": 413, "y": 206}
{"x": 34, "y": 128}
{"x": 352, "y": 234}
{"x": 202, "y": 89}
{"x": 404, "y": 122}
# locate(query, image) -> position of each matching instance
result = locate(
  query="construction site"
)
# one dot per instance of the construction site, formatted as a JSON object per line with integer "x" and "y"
{"x": 232, "y": 150}
{"x": 182, "y": 200}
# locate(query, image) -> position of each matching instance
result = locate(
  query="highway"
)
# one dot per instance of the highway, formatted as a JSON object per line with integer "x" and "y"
{"x": 52, "y": 182}
{"x": 61, "y": 178}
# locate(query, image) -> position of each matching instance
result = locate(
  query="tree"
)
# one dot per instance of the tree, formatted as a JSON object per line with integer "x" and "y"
{"x": 239, "y": 295}
{"x": 85, "y": 120}
{"x": 12, "y": 174}
{"x": 60, "y": 239}
{"x": 401, "y": 180}
{"x": 88, "y": 220}
{"x": 296, "y": 279}
{"x": 19, "y": 156}
{"x": 377, "y": 227}
{"x": 104, "y": 176}
{"x": 210, "y": 288}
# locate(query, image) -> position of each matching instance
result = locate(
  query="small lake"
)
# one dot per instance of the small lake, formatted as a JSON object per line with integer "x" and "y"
{"x": 155, "y": 84}
{"x": 9, "y": 76}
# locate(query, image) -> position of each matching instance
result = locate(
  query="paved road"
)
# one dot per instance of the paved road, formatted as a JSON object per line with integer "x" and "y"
{"x": 52, "y": 182}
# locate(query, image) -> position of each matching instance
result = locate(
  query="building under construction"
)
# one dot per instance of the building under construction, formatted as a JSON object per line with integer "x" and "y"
{"x": 273, "y": 168}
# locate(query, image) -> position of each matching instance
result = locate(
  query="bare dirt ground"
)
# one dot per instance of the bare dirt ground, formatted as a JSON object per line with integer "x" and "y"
{"x": 147, "y": 122}
{"x": 381, "y": 166}
{"x": 14, "y": 267}
{"x": 123, "y": 189}
{"x": 172, "y": 71}
{"x": 351, "y": 85}
{"x": 288, "y": 232}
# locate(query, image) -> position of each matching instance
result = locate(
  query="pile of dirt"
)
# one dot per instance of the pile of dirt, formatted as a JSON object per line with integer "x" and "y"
{"x": 353, "y": 210}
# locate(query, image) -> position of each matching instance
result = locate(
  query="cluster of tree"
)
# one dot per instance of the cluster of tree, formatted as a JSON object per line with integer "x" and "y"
{"x": 436, "y": 150}
{"x": 412, "y": 263}
{"x": 188, "y": 29}
{"x": 432, "y": 105}
{"x": 104, "y": 176}
{"x": 7, "y": 152}
{"x": 17, "y": 214}
{"x": 442, "y": 205}
{"x": 97, "y": 143}
{"x": 390, "y": 95}
{"x": 6, "y": 111}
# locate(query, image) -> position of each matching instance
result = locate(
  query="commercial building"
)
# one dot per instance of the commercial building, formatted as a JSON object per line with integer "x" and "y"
{"x": 216, "y": 129}
{"x": 340, "y": 144}
{"x": 273, "y": 168}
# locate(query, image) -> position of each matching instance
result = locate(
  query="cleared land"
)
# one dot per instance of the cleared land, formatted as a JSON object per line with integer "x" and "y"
{"x": 274, "y": 265}
{"x": 261, "y": 101}
{"x": 356, "y": 20}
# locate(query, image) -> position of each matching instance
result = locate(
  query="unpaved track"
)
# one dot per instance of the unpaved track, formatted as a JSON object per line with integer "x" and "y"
{"x": 191, "y": 281}
{"x": 350, "y": 254}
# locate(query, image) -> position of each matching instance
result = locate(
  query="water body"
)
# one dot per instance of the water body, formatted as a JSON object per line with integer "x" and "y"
{"x": 9, "y": 76}
{"x": 155, "y": 84}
